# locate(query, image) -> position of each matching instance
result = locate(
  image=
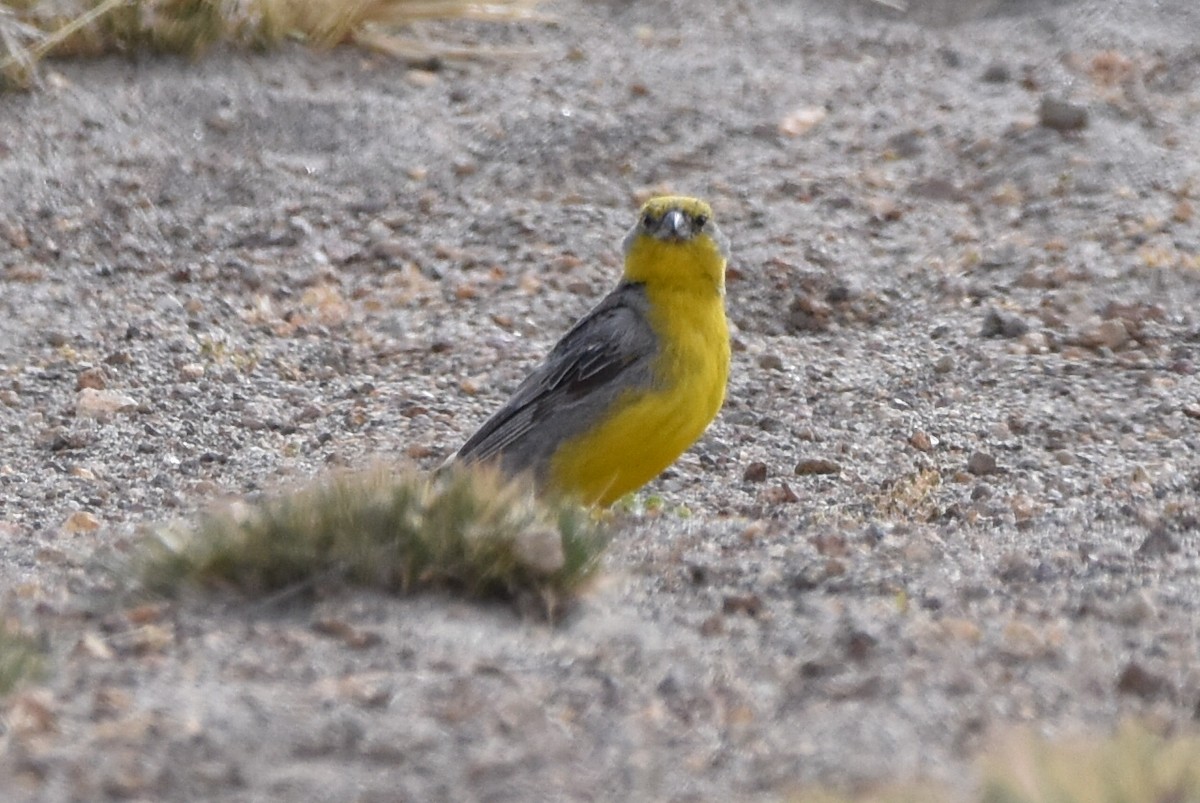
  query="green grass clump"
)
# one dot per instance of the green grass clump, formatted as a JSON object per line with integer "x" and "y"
{"x": 467, "y": 530}
{"x": 31, "y": 30}
{"x": 20, "y": 659}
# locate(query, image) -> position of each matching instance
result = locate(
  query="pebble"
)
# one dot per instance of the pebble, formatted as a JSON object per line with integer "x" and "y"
{"x": 996, "y": 73}
{"x": 1135, "y": 610}
{"x": 800, "y": 121}
{"x": 92, "y": 403}
{"x": 93, "y": 378}
{"x": 858, "y": 644}
{"x": 1111, "y": 334}
{"x": 982, "y": 463}
{"x": 817, "y": 465}
{"x": 1061, "y": 115}
{"x": 1135, "y": 679}
{"x": 1159, "y": 542}
{"x": 770, "y": 362}
{"x": 1023, "y": 642}
{"x": 1034, "y": 343}
{"x": 755, "y": 472}
{"x": 749, "y": 604}
{"x": 1002, "y": 324}
{"x": 780, "y": 495}
{"x": 190, "y": 372}
{"x": 81, "y": 522}
{"x": 961, "y": 629}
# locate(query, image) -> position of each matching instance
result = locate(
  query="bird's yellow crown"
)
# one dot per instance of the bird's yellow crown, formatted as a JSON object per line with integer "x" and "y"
{"x": 676, "y": 242}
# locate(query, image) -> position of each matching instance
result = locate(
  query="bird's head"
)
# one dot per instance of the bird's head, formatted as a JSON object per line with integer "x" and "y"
{"x": 676, "y": 241}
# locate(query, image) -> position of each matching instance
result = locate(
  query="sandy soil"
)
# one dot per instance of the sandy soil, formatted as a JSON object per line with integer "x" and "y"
{"x": 954, "y": 487}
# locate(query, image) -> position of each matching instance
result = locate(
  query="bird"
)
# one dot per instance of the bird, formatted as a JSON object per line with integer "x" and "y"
{"x": 634, "y": 382}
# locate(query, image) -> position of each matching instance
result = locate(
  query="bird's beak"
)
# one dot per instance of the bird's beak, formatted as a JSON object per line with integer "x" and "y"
{"x": 675, "y": 225}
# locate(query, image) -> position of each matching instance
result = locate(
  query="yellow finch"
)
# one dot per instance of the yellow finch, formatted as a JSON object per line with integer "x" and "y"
{"x": 636, "y": 380}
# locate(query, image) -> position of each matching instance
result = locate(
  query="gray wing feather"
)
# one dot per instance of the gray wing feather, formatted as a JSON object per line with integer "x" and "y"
{"x": 610, "y": 350}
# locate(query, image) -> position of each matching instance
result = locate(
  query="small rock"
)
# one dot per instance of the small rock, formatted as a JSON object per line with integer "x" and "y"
{"x": 999, "y": 256}
{"x": 755, "y": 472}
{"x": 31, "y": 713}
{"x": 1159, "y": 542}
{"x": 60, "y": 439}
{"x": 1135, "y": 679}
{"x": 831, "y": 545}
{"x": 1022, "y": 642}
{"x": 422, "y": 78}
{"x": 944, "y": 364}
{"x": 961, "y": 629}
{"x": 800, "y": 121}
{"x": 222, "y": 121}
{"x": 906, "y": 144}
{"x": 1111, "y": 334}
{"x": 808, "y": 314}
{"x": 1065, "y": 457}
{"x": 1136, "y": 609}
{"x": 770, "y": 362}
{"x": 190, "y": 372}
{"x": 93, "y": 378}
{"x": 749, "y": 604}
{"x": 93, "y": 645}
{"x": 996, "y": 73}
{"x": 817, "y": 465}
{"x": 92, "y": 403}
{"x": 858, "y": 645}
{"x": 782, "y": 494}
{"x": 981, "y": 463}
{"x": 1035, "y": 343}
{"x": 1002, "y": 324}
{"x": 355, "y": 638}
{"x": 1061, "y": 115}
{"x": 81, "y": 522}
{"x": 1014, "y": 567}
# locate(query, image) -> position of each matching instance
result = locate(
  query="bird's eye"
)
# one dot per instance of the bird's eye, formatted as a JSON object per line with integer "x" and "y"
{"x": 701, "y": 220}
{"x": 647, "y": 221}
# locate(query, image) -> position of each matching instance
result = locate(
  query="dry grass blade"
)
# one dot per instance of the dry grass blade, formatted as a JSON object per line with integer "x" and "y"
{"x": 31, "y": 31}
{"x": 469, "y": 531}
{"x": 403, "y": 12}
{"x": 1133, "y": 766}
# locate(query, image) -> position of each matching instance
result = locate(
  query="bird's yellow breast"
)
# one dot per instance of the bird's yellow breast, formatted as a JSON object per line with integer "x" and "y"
{"x": 647, "y": 429}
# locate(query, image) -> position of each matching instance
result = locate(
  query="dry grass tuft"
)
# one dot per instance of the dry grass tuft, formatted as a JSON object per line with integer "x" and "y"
{"x": 910, "y": 497}
{"x": 20, "y": 658}
{"x": 467, "y": 530}
{"x": 1133, "y": 766}
{"x": 31, "y": 30}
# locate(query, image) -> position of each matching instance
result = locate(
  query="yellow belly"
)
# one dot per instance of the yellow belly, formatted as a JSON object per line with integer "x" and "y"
{"x": 647, "y": 430}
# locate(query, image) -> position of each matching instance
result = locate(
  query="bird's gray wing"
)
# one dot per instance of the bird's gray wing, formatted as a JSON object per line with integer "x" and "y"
{"x": 608, "y": 351}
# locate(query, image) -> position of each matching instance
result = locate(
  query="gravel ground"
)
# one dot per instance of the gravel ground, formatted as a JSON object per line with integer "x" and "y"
{"x": 954, "y": 487}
